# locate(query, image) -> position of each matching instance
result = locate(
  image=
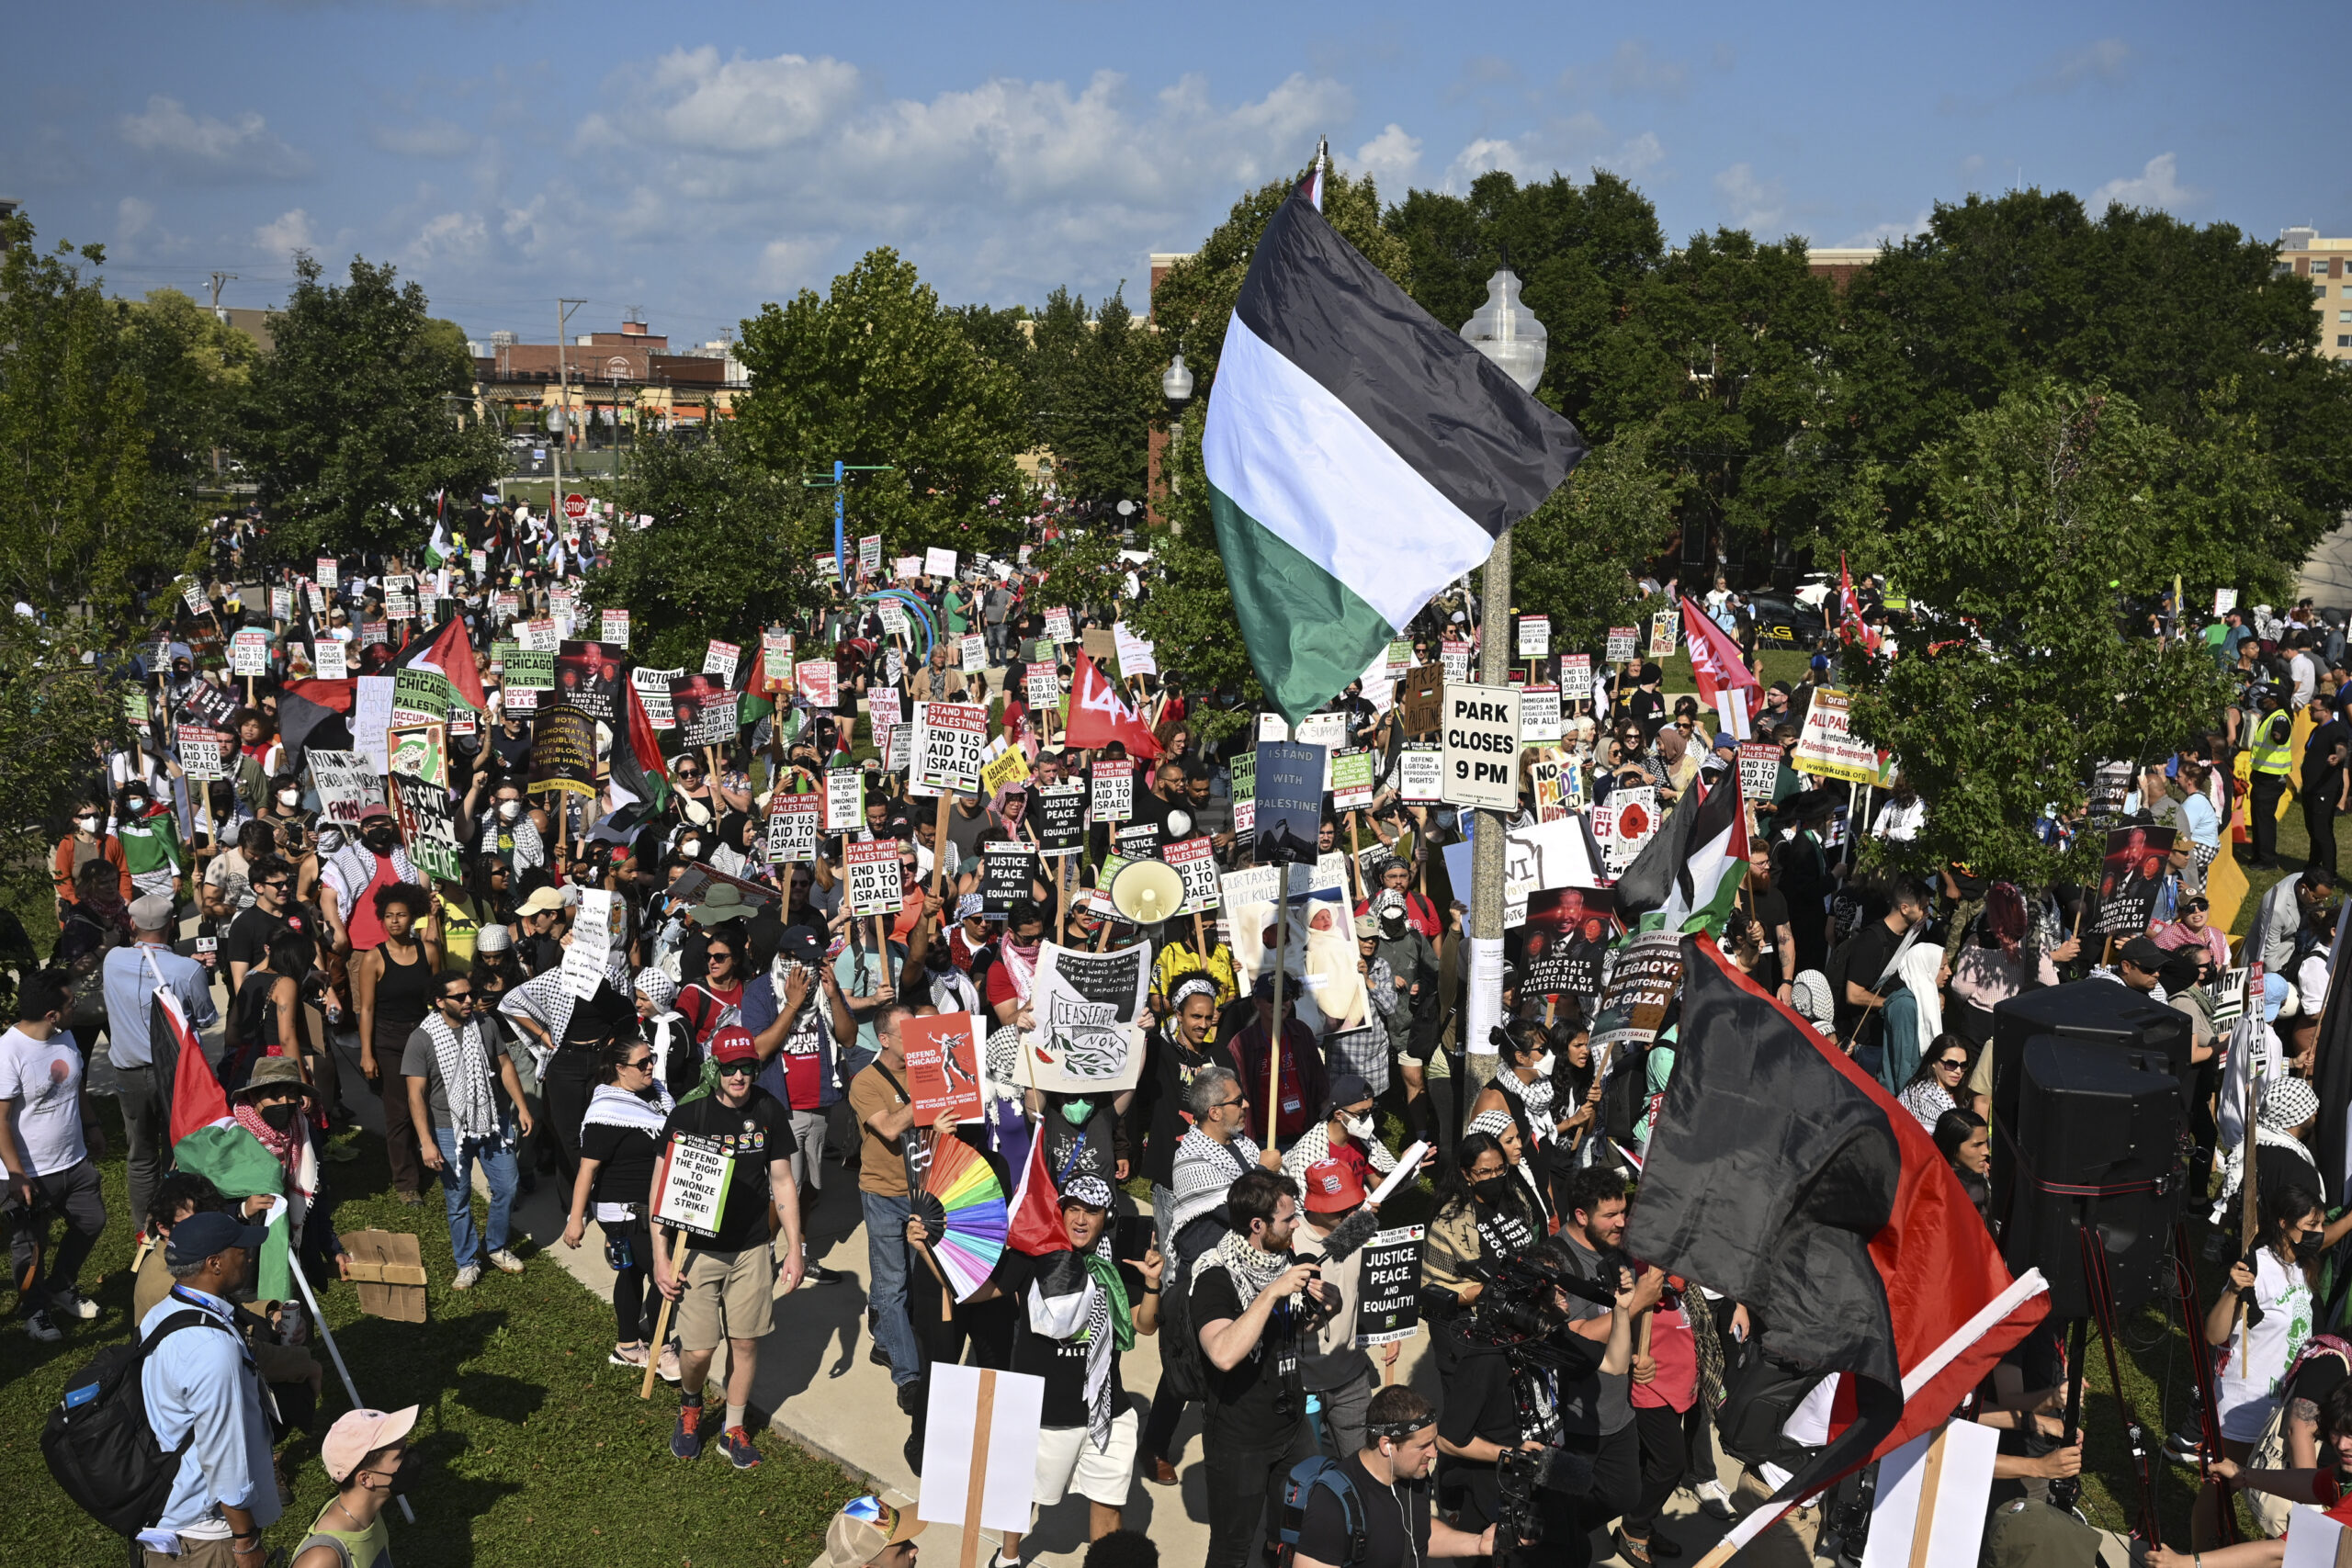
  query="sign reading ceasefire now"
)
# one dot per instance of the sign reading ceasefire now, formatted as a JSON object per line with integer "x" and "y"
{"x": 1481, "y": 747}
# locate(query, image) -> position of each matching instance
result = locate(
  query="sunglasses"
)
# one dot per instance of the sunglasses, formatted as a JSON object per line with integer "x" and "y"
{"x": 737, "y": 1070}
{"x": 457, "y": 995}
{"x": 642, "y": 1064}
{"x": 1951, "y": 1063}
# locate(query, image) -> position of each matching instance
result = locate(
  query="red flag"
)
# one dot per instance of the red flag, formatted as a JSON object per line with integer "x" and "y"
{"x": 450, "y": 654}
{"x": 197, "y": 1097}
{"x": 1098, "y": 715}
{"x": 1715, "y": 657}
{"x": 638, "y": 770}
{"x": 1851, "y": 625}
{"x": 1037, "y": 1222}
{"x": 335, "y": 695}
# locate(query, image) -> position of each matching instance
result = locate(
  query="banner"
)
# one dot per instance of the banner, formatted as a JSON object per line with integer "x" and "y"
{"x": 563, "y": 751}
{"x": 1090, "y": 1015}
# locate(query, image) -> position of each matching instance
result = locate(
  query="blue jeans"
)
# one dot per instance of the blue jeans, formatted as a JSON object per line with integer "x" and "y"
{"x": 457, "y": 1190}
{"x": 886, "y": 1259}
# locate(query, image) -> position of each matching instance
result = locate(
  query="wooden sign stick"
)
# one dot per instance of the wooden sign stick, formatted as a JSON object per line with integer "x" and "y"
{"x": 939, "y": 847}
{"x": 1932, "y": 1473}
{"x": 662, "y": 1323}
{"x": 1274, "y": 1034}
{"x": 975, "y": 1488}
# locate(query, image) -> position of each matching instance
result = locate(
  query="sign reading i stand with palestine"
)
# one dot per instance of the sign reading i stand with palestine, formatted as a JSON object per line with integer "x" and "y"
{"x": 1481, "y": 747}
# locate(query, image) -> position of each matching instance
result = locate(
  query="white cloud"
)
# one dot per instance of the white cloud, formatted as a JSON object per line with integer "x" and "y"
{"x": 448, "y": 236}
{"x": 1889, "y": 234}
{"x": 2156, "y": 187}
{"x": 206, "y": 148}
{"x": 788, "y": 265}
{"x": 286, "y": 233}
{"x": 1391, "y": 158}
{"x": 1635, "y": 70}
{"x": 1752, "y": 204}
{"x": 131, "y": 217}
{"x": 1571, "y": 146}
{"x": 426, "y": 139}
{"x": 736, "y": 107}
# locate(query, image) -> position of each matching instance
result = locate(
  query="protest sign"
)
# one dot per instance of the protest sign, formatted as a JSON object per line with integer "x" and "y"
{"x": 1759, "y": 770}
{"x": 2229, "y": 995}
{"x": 1935, "y": 1490}
{"x": 327, "y": 658}
{"x": 1113, "y": 797}
{"x": 974, "y": 653}
{"x": 2110, "y": 781}
{"x": 539, "y": 636}
{"x": 775, "y": 662}
{"x": 1061, "y": 820}
{"x": 2130, "y": 875}
{"x": 400, "y": 598}
{"x": 427, "y": 826}
{"x": 874, "y": 884}
{"x": 1006, "y": 872}
{"x": 1421, "y": 706}
{"x": 249, "y": 653}
{"x": 373, "y": 633}
{"x": 528, "y": 674}
{"x": 371, "y": 716}
{"x": 1551, "y": 799}
{"x": 421, "y": 697}
{"x": 1007, "y": 768}
{"x": 1663, "y": 627}
{"x": 1420, "y": 775}
{"x": 418, "y": 752}
{"x": 1481, "y": 747}
{"x": 937, "y": 562}
{"x": 653, "y": 691}
{"x": 980, "y": 1444}
{"x": 329, "y": 573}
{"x": 1351, "y": 772}
{"x": 347, "y": 785}
{"x": 1328, "y": 730}
{"x": 1133, "y": 841}
{"x": 818, "y": 681}
{"x": 1640, "y": 985}
{"x": 1568, "y": 932}
{"x": 1288, "y": 794}
{"x": 695, "y": 1181}
{"x": 2224, "y": 601}
{"x": 1389, "y": 1295}
{"x": 507, "y": 607}
{"x": 720, "y": 660}
{"x": 192, "y": 595}
{"x": 588, "y": 677}
{"x": 1396, "y": 658}
{"x": 563, "y": 751}
{"x": 316, "y": 600}
{"x": 1195, "y": 860}
{"x": 1633, "y": 817}
{"x": 951, "y": 745}
{"x": 1617, "y": 649}
{"x": 612, "y": 627}
{"x": 1090, "y": 1014}
{"x": 1135, "y": 656}
{"x": 845, "y": 800}
{"x": 1057, "y": 625}
{"x": 1098, "y": 645}
{"x": 1534, "y": 636}
{"x": 882, "y": 706}
{"x": 204, "y": 754}
{"x": 894, "y": 619}
{"x": 792, "y": 828}
{"x": 702, "y": 709}
{"x": 907, "y": 567}
{"x": 281, "y": 603}
{"x": 943, "y": 1055}
{"x": 1244, "y": 796}
{"x": 1827, "y": 749}
{"x": 1042, "y": 687}
{"x": 1539, "y": 714}
{"x": 869, "y": 555}
{"x": 1454, "y": 658}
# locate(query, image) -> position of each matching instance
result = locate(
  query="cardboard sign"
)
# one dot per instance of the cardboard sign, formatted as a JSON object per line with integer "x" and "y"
{"x": 1097, "y": 644}
{"x": 205, "y": 754}
{"x": 792, "y": 828}
{"x": 1007, "y": 871}
{"x": 845, "y": 800}
{"x": 1759, "y": 770}
{"x": 1454, "y": 658}
{"x": 347, "y": 785}
{"x": 418, "y": 752}
{"x": 1057, "y": 625}
{"x": 973, "y": 653}
{"x": 1420, "y": 775}
{"x": 1195, "y": 860}
{"x": 819, "y": 682}
{"x": 937, "y": 562}
{"x": 1481, "y": 747}
{"x": 1090, "y": 1015}
{"x": 249, "y": 653}
{"x": 720, "y": 660}
{"x": 695, "y": 1179}
{"x": 942, "y": 1065}
{"x": 869, "y": 554}
{"x": 1534, "y": 636}
{"x": 428, "y": 826}
{"x": 1827, "y": 749}
{"x": 1421, "y": 708}
{"x": 1389, "y": 1295}
{"x": 611, "y": 627}
{"x": 951, "y": 745}
{"x": 1663, "y": 627}
{"x": 1351, "y": 772}
{"x": 389, "y": 1268}
{"x": 874, "y": 884}
{"x": 1539, "y": 714}
{"x": 1113, "y": 785}
{"x": 1061, "y": 820}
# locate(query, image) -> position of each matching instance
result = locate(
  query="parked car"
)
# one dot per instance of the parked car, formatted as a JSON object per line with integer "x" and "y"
{"x": 1783, "y": 621}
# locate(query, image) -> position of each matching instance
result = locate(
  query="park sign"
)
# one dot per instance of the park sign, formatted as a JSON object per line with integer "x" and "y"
{"x": 1481, "y": 747}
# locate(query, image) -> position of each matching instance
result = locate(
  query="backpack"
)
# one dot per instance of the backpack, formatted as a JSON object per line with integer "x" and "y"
{"x": 1306, "y": 1477}
{"x": 99, "y": 1443}
{"x": 1182, "y": 1365}
{"x": 2270, "y": 1514}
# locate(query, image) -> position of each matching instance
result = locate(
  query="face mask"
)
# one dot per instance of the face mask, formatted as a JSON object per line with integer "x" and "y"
{"x": 691, "y": 849}
{"x": 280, "y": 1116}
{"x": 1392, "y": 925}
{"x": 509, "y": 809}
{"x": 1078, "y": 1112}
{"x": 87, "y": 824}
{"x": 1357, "y": 1126}
{"x": 1544, "y": 1065}
{"x": 379, "y": 840}
{"x": 2307, "y": 1248}
{"x": 135, "y": 803}
{"x": 1489, "y": 1190}
{"x": 404, "y": 1480}
{"x": 289, "y": 798}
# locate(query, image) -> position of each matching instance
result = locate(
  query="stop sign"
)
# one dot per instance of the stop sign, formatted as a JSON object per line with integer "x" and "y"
{"x": 575, "y": 506}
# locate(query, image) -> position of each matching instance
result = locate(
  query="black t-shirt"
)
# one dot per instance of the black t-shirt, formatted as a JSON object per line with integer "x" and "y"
{"x": 1478, "y": 1402}
{"x": 1770, "y": 911}
{"x": 624, "y": 1158}
{"x": 1866, "y": 953}
{"x": 1062, "y": 1363}
{"x": 1395, "y": 1521}
{"x": 1169, "y": 1072}
{"x": 1249, "y": 1407}
{"x": 251, "y": 933}
{"x": 755, "y": 1132}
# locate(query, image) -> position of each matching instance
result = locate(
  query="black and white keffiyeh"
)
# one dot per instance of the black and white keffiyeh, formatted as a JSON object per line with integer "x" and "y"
{"x": 463, "y": 1062}
{"x": 546, "y": 1000}
{"x": 530, "y": 850}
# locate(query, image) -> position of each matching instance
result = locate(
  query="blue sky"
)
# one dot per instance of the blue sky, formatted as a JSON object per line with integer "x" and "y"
{"x": 696, "y": 160}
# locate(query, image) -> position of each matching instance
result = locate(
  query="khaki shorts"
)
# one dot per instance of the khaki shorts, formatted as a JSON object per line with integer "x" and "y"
{"x": 728, "y": 1295}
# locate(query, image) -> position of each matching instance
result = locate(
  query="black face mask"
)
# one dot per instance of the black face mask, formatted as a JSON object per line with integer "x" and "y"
{"x": 2308, "y": 1248}
{"x": 404, "y": 1480}
{"x": 379, "y": 840}
{"x": 1490, "y": 1190}
{"x": 281, "y": 1114}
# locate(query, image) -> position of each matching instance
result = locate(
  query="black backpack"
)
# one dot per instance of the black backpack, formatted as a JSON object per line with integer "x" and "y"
{"x": 99, "y": 1443}
{"x": 1321, "y": 1472}
{"x": 1182, "y": 1367}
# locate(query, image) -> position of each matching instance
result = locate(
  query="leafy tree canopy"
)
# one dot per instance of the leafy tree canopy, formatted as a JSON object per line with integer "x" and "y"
{"x": 1094, "y": 385}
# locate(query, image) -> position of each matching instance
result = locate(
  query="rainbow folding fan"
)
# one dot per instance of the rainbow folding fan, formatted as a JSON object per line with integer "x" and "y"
{"x": 963, "y": 1210}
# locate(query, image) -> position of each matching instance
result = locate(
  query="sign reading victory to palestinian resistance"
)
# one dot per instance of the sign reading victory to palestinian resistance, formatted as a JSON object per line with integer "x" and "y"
{"x": 1090, "y": 1019}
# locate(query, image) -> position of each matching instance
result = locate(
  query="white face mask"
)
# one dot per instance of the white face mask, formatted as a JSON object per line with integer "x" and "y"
{"x": 1544, "y": 1065}
{"x": 1357, "y": 1126}
{"x": 509, "y": 809}
{"x": 87, "y": 824}
{"x": 289, "y": 798}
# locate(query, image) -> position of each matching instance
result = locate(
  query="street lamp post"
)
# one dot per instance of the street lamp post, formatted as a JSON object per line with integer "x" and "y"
{"x": 1506, "y": 332}
{"x": 1176, "y": 386}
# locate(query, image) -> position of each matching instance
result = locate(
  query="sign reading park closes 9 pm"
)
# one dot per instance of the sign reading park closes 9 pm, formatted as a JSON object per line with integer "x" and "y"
{"x": 1481, "y": 747}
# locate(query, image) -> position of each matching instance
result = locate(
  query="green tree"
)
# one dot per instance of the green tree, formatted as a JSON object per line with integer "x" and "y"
{"x": 1095, "y": 388}
{"x": 196, "y": 369}
{"x": 93, "y": 515}
{"x": 2030, "y": 559}
{"x": 876, "y": 372}
{"x": 55, "y": 712}
{"x": 361, "y": 411}
{"x": 1082, "y": 568}
{"x": 1573, "y": 557}
{"x": 726, "y": 553}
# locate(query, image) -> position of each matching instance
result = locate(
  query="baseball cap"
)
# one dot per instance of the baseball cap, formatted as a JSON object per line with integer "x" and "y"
{"x": 1332, "y": 1187}
{"x": 733, "y": 1044}
{"x": 1346, "y": 1090}
{"x": 2142, "y": 952}
{"x": 543, "y": 901}
{"x": 359, "y": 1433}
{"x": 199, "y": 1236}
{"x": 864, "y": 1529}
{"x": 369, "y": 813}
{"x": 800, "y": 945}
{"x": 152, "y": 913}
{"x": 1368, "y": 926}
{"x": 1725, "y": 738}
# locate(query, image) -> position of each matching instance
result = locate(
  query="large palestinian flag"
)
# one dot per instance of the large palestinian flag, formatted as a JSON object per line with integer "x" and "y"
{"x": 1360, "y": 455}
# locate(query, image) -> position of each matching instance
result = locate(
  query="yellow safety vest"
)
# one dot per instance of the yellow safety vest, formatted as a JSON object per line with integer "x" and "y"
{"x": 2273, "y": 753}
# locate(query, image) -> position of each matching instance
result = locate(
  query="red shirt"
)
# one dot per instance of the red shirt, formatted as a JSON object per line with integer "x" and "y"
{"x": 1675, "y": 1351}
{"x": 704, "y": 1005}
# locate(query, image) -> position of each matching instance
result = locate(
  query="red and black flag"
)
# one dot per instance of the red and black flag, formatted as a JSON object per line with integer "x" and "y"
{"x": 1784, "y": 1176}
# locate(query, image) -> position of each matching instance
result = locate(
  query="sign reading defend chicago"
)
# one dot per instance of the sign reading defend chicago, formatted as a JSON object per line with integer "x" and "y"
{"x": 1481, "y": 747}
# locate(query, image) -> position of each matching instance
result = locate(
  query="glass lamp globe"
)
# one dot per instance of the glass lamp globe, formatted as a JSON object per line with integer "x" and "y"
{"x": 1506, "y": 331}
{"x": 1176, "y": 386}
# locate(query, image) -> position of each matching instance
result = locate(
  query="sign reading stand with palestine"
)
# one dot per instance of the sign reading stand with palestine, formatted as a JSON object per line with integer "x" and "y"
{"x": 874, "y": 886}
{"x": 792, "y": 828}
{"x": 249, "y": 653}
{"x": 695, "y": 1183}
{"x": 951, "y": 744}
{"x": 1454, "y": 657}
{"x": 1195, "y": 860}
{"x": 1481, "y": 747}
{"x": 1760, "y": 769}
{"x": 720, "y": 659}
{"x": 1619, "y": 648}
{"x": 204, "y": 754}
{"x": 1115, "y": 790}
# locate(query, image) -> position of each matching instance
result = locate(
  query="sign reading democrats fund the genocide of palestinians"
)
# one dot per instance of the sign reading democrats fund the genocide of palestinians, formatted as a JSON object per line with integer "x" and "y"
{"x": 1481, "y": 747}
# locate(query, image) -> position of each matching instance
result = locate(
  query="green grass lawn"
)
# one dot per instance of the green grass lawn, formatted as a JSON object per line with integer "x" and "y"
{"x": 537, "y": 1451}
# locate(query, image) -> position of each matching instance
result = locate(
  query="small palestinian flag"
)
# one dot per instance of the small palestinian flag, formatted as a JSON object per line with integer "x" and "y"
{"x": 1360, "y": 455}
{"x": 1690, "y": 872}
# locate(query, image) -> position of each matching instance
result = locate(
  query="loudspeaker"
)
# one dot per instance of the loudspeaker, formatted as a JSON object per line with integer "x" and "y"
{"x": 2097, "y": 1013}
{"x": 2101, "y": 1141}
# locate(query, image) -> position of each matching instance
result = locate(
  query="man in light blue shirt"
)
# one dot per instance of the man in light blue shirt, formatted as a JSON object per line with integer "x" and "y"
{"x": 202, "y": 1390}
{"x": 131, "y": 975}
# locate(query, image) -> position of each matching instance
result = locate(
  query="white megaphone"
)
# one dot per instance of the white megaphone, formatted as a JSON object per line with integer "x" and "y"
{"x": 1147, "y": 892}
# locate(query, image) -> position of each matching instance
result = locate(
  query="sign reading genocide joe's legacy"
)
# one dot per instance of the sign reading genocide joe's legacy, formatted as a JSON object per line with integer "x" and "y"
{"x": 1480, "y": 747}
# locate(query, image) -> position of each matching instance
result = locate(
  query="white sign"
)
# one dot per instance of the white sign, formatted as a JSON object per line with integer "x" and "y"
{"x": 2224, "y": 601}
{"x": 192, "y": 591}
{"x": 1016, "y": 1403}
{"x": 1043, "y": 687}
{"x": 613, "y": 628}
{"x": 1135, "y": 656}
{"x": 1539, "y": 714}
{"x": 1481, "y": 746}
{"x": 818, "y": 681}
{"x": 974, "y": 649}
{"x": 1058, "y": 626}
{"x": 909, "y": 567}
{"x": 874, "y": 884}
{"x": 327, "y": 660}
{"x": 249, "y": 653}
{"x": 1950, "y": 1526}
{"x": 1455, "y": 657}
{"x": 1114, "y": 798}
{"x": 694, "y": 1184}
{"x": 329, "y": 574}
{"x": 281, "y": 603}
{"x": 1195, "y": 860}
{"x": 1420, "y": 776}
{"x": 951, "y": 744}
{"x": 720, "y": 657}
{"x": 1576, "y": 677}
{"x": 371, "y": 716}
{"x": 596, "y": 931}
{"x": 792, "y": 828}
{"x": 653, "y": 691}
{"x": 937, "y": 562}
{"x": 1534, "y": 636}
{"x": 1328, "y": 730}
{"x": 347, "y": 783}
{"x": 894, "y": 619}
{"x": 845, "y": 800}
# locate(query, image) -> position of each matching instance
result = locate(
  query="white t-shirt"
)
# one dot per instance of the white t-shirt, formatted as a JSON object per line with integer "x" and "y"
{"x": 42, "y": 1080}
{"x": 2248, "y": 1390}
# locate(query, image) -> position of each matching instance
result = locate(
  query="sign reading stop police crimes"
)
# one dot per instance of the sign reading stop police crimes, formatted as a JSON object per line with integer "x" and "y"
{"x": 1480, "y": 747}
{"x": 951, "y": 744}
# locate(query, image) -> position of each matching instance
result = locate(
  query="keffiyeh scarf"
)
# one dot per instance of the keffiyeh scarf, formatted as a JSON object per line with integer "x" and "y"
{"x": 1314, "y": 1146}
{"x": 1088, "y": 1305}
{"x": 464, "y": 1065}
{"x": 548, "y": 998}
{"x": 530, "y": 850}
{"x": 352, "y": 866}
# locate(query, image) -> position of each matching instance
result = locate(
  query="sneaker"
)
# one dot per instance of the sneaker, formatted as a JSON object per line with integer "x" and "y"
{"x": 2183, "y": 1448}
{"x": 667, "y": 1369}
{"x": 687, "y": 1441}
{"x": 820, "y": 1275}
{"x": 467, "y": 1278}
{"x": 737, "y": 1445}
{"x": 628, "y": 1356}
{"x": 40, "y": 1328}
{"x": 1715, "y": 1500}
{"x": 505, "y": 1261}
{"x": 71, "y": 1303}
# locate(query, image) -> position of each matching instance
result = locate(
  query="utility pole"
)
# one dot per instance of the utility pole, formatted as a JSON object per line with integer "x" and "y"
{"x": 218, "y": 280}
{"x": 563, "y": 309}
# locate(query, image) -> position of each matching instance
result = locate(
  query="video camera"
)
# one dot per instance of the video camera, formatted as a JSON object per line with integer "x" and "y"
{"x": 1517, "y": 1310}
